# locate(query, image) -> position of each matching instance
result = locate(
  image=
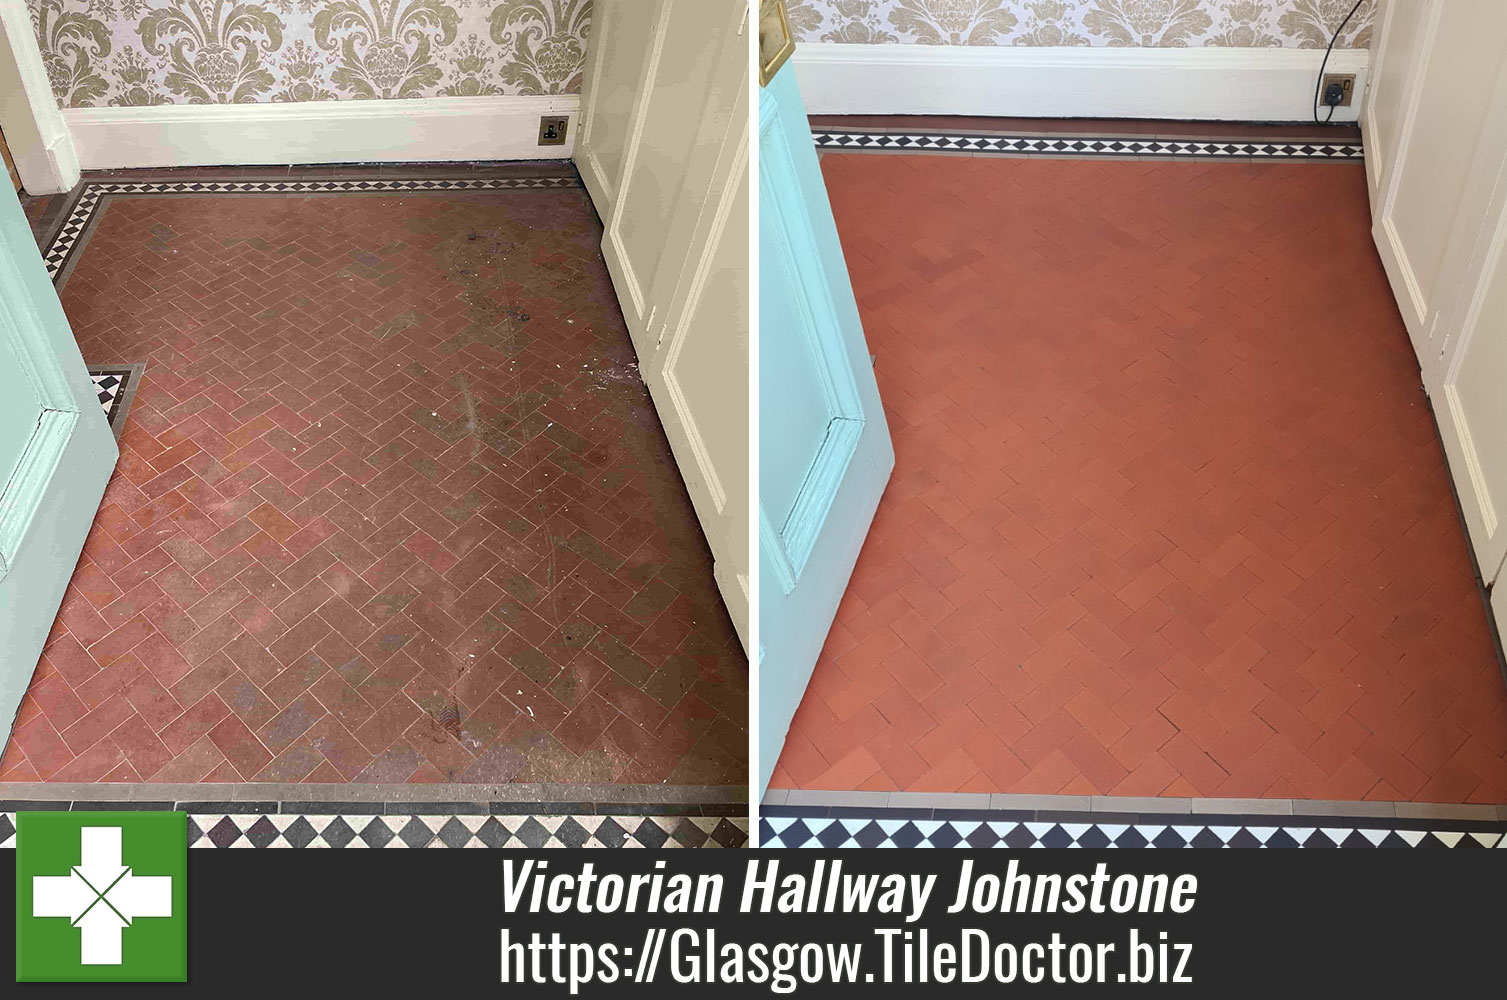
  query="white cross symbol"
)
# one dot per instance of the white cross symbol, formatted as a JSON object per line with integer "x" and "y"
{"x": 101, "y": 896}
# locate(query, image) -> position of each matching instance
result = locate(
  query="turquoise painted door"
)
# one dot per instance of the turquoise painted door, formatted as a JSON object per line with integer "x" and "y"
{"x": 56, "y": 455}
{"x": 824, "y": 448}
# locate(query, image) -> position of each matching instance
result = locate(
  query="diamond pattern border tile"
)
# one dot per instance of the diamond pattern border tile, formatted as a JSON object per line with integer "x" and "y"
{"x": 781, "y": 828}
{"x": 113, "y": 384}
{"x": 109, "y": 386}
{"x": 1059, "y": 145}
{"x": 262, "y": 830}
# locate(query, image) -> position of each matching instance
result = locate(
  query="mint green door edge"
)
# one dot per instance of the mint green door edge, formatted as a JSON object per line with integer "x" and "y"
{"x": 824, "y": 447}
{"x": 56, "y": 456}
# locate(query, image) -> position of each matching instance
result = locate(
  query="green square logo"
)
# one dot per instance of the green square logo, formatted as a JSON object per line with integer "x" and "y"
{"x": 101, "y": 897}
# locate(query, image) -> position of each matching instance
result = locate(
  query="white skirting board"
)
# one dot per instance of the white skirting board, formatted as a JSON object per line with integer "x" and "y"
{"x": 395, "y": 131}
{"x": 1013, "y": 81}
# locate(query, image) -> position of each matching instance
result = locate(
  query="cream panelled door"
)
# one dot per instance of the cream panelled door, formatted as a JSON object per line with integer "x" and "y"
{"x": 1436, "y": 134}
{"x": 663, "y": 150}
{"x": 1466, "y": 372}
{"x": 1426, "y": 212}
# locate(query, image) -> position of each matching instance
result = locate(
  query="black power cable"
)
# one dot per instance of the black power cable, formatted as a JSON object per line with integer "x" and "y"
{"x": 1319, "y": 84}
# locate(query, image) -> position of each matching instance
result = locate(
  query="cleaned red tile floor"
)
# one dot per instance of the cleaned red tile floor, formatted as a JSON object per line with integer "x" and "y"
{"x": 392, "y": 505}
{"x": 1168, "y": 517}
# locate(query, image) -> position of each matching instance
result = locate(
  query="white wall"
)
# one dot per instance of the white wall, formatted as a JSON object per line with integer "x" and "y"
{"x": 421, "y": 129}
{"x": 1436, "y": 138}
{"x": 52, "y": 146}
{"x": 1237, "y": 84}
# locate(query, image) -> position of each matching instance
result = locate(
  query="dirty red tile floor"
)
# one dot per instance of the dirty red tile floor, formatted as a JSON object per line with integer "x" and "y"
{"x": 392, "y": 505}
{"x": 1169, "y": 515}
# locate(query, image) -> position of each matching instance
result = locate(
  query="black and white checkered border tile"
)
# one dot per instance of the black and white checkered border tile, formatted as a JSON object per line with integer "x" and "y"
{"x": 368, "y": 830}
{"x": 1022, "y": 145}
{"x": 110, "y": 384}
{"x": 878, "y": 829}
{"x": 93, "y": 193}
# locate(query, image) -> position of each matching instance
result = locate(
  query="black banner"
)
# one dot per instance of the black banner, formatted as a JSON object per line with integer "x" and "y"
{"x": 1195, "y": 922}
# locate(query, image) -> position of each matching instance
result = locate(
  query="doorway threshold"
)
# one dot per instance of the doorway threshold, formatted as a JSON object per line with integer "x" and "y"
{"x": 528, "y": 816}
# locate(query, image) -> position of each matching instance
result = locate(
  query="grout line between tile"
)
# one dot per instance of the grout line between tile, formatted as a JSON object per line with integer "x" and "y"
{"x": 261, "y": 792}
{"x": 1290, "y": 809}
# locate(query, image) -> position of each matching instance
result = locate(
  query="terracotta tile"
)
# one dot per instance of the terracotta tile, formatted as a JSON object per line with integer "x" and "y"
{"x": 1138, "y": 584}
{"x": 291, "y": 723}
{"x": 246, "y": 700}
{"x": 164, "y": 661}
{"x": 146, "y": 753}
{"x": 57, "y": 701}
{"x": 203, "y": 679}
{"x": 631, "y": 701}
{"x": 325, "y": 773}
{"x": 341, "y": 700}
{"x": 298, "y": 515}
{"x": 153, "y": 702}
{"x": 97, "y": 724}
{"x": 124, "y": 773}
{"x": 196, "y": 763}
{"x": 439, "y": 744}
{"x": 42, "y": 747}
{"x": 258, "y": 620}
{"x": 255, "y": 659}
{"x": 95, "y": 585}
{"x": 339, "y": 748}
{"x": 93, "y": 764}
{"x": 295, "y": 679}
{"x": 387, "y": 723}
{"x": 195, "y": 722}
{"x": 210, "y": 640}
{"x": 70, "y": 659}
{"x": 587, "y": 721}
{"x": 121, "y": 640}
{"x": 395, "y": 764}
{"x": 240, "y": 746}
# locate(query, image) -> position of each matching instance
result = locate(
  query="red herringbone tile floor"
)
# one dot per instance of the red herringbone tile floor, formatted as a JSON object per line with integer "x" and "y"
{"x": 1168, "y": 517}
{"x": 392, "y": 505}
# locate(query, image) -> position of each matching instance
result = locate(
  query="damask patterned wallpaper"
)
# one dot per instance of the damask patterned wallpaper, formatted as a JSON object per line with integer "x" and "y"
{"x": 125, "y": 53}
{"x": 1148, "y": 23}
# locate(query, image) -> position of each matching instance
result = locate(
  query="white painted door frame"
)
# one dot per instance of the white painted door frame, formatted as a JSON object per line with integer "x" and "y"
{"x": 34, "y": 128}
